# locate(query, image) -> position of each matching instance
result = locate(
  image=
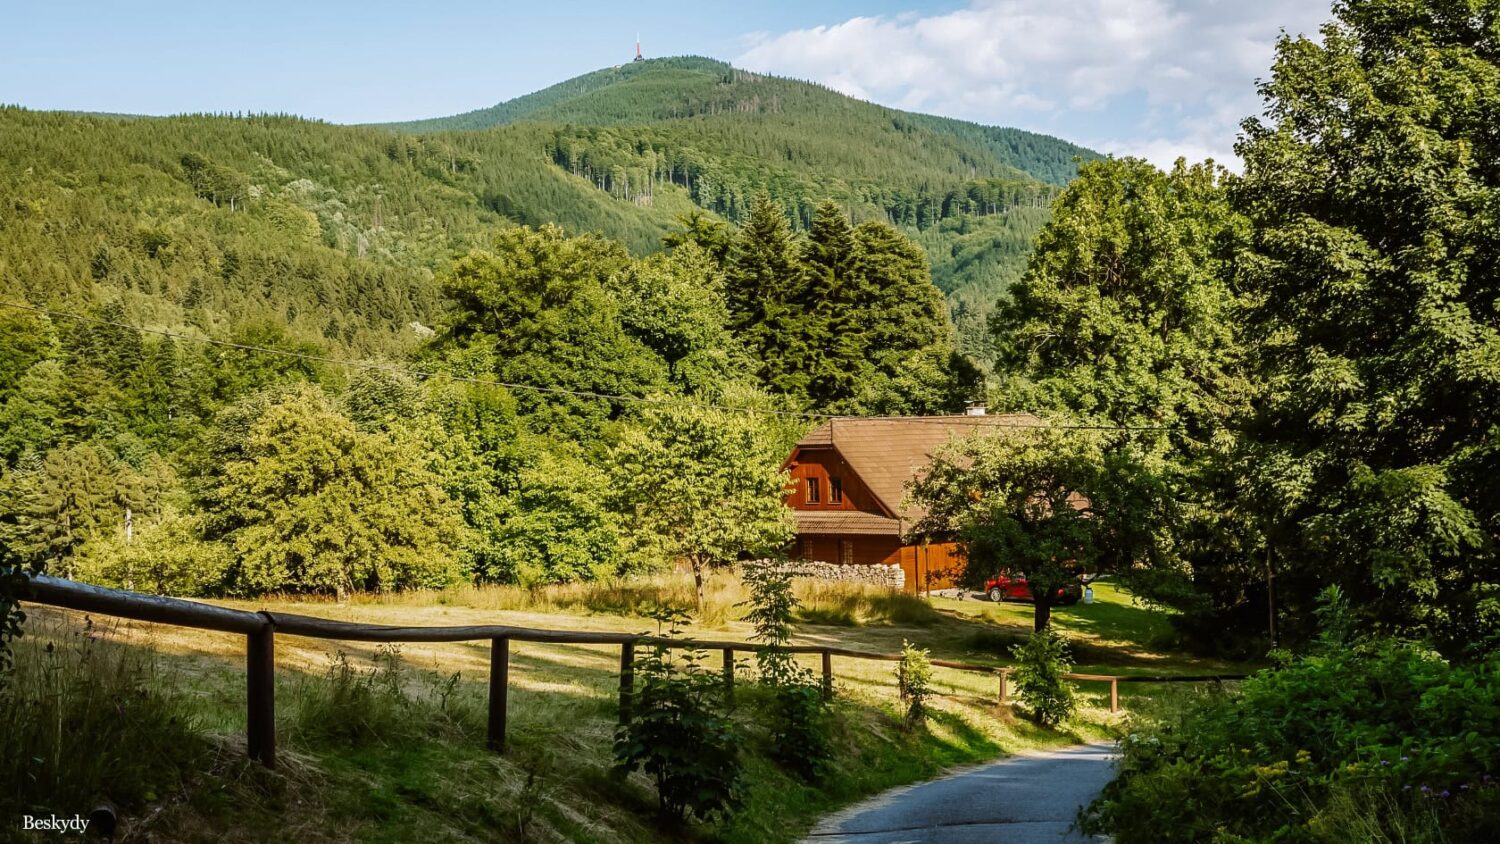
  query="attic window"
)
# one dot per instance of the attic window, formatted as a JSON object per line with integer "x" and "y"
{"x": 813, "y": 495}
{"x": 835, "y": 490}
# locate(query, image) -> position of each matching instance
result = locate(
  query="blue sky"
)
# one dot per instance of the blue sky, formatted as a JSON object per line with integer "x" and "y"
{"x": 1156, "y": 78}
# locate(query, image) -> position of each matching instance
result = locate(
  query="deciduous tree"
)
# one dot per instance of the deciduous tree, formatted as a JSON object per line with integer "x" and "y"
{"x": 1371, "y": 186}
{"x": 1048, "y": 502}
{"x": 701, "y": 486}
{"x": 309, "y": 502}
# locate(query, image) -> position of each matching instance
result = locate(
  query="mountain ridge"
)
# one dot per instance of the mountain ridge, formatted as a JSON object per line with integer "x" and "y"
{"x": 622, "y": 152}
{"x": 691, "y": 94}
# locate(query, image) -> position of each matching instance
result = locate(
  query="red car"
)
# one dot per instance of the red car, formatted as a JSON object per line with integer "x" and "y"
{"x": 1013, "y": 587}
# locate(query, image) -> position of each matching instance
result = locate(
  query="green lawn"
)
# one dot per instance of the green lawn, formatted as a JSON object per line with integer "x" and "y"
{"x": 422, "y": 773}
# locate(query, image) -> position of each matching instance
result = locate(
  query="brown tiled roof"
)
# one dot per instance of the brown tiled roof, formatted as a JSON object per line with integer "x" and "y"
{"x": 886, "y": 452}
{"x": 821, "y": 435}
{"x": 846, "y": 522}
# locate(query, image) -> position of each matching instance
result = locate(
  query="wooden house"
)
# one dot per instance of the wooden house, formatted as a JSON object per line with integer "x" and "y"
{"x": 848, "y": 480}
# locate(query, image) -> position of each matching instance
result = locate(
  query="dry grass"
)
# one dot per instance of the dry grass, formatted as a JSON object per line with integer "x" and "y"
{"x": 726, "y": 600}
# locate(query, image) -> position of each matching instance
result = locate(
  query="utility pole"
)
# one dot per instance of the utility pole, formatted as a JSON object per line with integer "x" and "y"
{"x": 1270, "y": 596}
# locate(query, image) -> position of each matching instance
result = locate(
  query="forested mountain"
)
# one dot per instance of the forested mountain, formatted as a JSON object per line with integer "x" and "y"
{"x": 692, "y": 88}
{"x": 621, "y": 152}
{"x": 973, "y": 195}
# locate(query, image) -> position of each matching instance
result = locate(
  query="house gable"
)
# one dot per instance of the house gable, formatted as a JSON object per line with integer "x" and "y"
{"x": 826, "y": 465}
{"x": 886, "y": 453}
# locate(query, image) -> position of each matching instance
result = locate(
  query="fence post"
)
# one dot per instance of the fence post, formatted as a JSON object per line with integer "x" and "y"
{"x": 729, "y": 671}
{"x": 827, "y": 674}
{"x": 1114, "y": 694}
{"x": 1004, "y": 696}
{"x": 260, "y": 695}
{"x": 627, "y": 679}
{"x": 499, "y": 691}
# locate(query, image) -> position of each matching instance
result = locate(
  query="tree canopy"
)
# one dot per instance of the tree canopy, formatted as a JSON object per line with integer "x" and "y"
{"x": 307, "y": 501}
{"x": 703, "y": 486}
{"x": 1050, "y": 503}
{"x": 1369, "y": 184}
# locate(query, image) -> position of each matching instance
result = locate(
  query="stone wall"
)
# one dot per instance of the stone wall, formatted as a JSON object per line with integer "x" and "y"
{"x": 876, "y": 574}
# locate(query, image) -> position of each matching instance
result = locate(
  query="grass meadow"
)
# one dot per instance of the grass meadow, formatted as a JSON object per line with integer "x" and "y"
{"x": 381, "y": 743}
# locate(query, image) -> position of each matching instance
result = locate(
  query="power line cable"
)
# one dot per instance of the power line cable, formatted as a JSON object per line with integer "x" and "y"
{"x": 421, "y": 374}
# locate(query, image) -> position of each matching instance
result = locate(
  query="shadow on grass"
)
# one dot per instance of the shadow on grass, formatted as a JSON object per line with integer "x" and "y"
{"x": 1116, "y": 620}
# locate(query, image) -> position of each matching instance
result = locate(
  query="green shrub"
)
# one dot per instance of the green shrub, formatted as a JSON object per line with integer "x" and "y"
{"x": 1375, "y": 741}
{"x": 85, "y": 717}
{"x": 772, "y": 604}
{"x": 14, "y": 584}
{"x": 1041, "y": 663}
{"x": 797, "y": 719}
{"x": 166, "y": 557}
{"x": 914, "y": 680}
{"x": 679, "y": 734}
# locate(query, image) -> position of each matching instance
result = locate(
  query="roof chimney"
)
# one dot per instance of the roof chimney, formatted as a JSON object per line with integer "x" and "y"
{"x": 974, "y": 408}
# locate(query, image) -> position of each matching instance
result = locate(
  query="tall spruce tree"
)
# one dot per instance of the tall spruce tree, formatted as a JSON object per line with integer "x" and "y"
{"x": 848, "y": 320}
{"x": 894, "y": 303}
{"x": 825, "y": 344}
{"x": 762, "y": 265}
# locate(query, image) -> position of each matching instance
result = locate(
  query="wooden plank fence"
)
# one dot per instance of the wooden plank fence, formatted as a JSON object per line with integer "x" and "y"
{"x": 260, "y": 629}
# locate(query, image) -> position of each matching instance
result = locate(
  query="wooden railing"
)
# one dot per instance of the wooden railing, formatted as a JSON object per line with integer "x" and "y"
{"x": 260, "y": 629}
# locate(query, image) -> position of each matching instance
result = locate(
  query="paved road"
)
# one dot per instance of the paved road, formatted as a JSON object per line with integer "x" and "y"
{"x": 1019, "y": 800}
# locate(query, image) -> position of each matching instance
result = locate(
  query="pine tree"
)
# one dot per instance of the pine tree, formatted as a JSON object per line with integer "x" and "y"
{"x": 762, "y": 266}
{"x": 898, "y": 307}
{"x": 827, "y": 347}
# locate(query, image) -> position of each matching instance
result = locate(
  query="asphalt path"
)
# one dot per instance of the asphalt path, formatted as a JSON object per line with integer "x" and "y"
{"x": 1031, "y": 797}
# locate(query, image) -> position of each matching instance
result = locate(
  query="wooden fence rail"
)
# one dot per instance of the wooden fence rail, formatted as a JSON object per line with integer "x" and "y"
{"x": 260, "y": 629}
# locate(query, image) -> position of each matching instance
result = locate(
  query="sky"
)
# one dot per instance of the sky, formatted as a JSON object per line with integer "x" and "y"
{"x": 1153, "y": 78}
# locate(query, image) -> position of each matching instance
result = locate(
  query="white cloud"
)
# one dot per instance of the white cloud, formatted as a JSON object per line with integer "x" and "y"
{"x": 1154, "y": 78}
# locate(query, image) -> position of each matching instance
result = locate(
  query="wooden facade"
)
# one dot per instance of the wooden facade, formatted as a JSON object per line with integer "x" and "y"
{"x": 848, "y": 479}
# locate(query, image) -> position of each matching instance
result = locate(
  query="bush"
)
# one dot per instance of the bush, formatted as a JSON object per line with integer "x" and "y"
{"x": 1041, "y": 663}
{"x": 914, "y": 679}
{"x": 797, "y": 718}
{"x": 14, "y": 585}
{"x": 86, "y": 717}
{"x": 167, "y": 557}
{"x": 798, "y": 723}
{"x": 678, "y": 734}
{"x": 1379, "y": 741}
